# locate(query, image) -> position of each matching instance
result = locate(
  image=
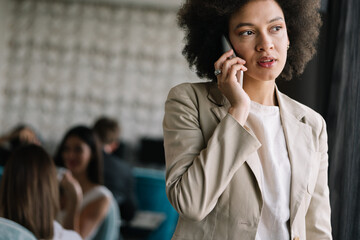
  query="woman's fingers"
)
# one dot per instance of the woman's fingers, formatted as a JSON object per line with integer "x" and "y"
{"x": 230, "y": 81}
{"x": 229, "y": 71}
{"x": 227, "y": 56}
{"x": 229, "y": 63}
{"x": 218, "y": 64}
{"x": 236, "y": 68}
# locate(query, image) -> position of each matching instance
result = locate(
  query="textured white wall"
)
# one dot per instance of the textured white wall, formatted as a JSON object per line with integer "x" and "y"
{"x": 69, "y": 62}
{"x": 4, "y": 23}
{"x": 164, "y": 4}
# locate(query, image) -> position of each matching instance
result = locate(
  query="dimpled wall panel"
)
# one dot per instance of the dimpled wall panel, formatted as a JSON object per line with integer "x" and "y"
{"x": 69, "y": 62}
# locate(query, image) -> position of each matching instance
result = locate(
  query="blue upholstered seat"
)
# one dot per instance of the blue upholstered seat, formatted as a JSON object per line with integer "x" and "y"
{"x": 150, "y": 191}
{"x": 1, "y": 171}
{"x": 14, "y": 231}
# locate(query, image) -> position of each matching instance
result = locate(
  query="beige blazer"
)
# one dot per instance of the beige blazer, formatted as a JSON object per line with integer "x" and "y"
{"x": 213, "y": 168}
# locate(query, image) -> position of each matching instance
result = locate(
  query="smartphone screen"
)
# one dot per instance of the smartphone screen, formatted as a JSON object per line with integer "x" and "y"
{"x": 226, "y": 47}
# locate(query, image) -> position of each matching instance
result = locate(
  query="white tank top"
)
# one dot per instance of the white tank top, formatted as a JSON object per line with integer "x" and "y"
{"x": 92, "y": 195}
{"x": 265, "y": 122}
{"x": 62, "y": 234}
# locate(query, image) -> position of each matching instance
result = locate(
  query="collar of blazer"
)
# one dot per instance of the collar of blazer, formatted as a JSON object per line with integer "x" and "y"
{"x": 298, "y": 137}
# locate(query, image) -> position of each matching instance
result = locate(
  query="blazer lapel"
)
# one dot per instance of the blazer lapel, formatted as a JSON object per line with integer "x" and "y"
{"x": 220, "y": 110}
{"x": 255, "y": 165}
{"x": 300, "y": 149}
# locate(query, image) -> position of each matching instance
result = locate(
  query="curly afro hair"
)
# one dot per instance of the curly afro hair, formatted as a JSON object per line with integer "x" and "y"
{"x": 204, "y": 22}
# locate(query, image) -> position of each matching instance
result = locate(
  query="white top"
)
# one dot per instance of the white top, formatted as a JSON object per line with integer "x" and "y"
{"x": 265, "y": 122}
{"x": 61, "y": 234}
{"x": 92, "y": 195}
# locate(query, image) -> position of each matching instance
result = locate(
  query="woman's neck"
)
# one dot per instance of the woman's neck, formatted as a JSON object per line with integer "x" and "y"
{"x": 261, "y": 92}
{"x": 84, "y": 181}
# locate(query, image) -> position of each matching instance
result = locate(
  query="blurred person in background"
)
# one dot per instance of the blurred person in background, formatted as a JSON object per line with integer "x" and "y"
{"x": 20, "y": 135}
{"x": 117, "y": 172}
{"x": 88, "y": 210}
{"x": 29, "y": 193}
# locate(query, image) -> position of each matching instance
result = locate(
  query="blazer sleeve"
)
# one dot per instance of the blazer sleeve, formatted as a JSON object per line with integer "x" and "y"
{"x": 318, "y": 223}
{"x": 197, "y": 172}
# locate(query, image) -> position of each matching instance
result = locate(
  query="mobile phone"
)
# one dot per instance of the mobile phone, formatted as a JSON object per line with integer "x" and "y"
{"x": 226, "y": 45}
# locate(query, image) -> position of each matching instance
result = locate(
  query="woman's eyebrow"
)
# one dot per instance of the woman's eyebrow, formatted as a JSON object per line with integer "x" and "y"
{"x": 276, "y": 19}
{"x": 251, "y": 24}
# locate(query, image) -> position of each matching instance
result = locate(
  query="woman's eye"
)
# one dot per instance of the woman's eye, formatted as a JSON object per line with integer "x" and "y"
{"x": 78, "y": 150}
{"x": 246, "y": 33}
{"x": 276, "y": 28}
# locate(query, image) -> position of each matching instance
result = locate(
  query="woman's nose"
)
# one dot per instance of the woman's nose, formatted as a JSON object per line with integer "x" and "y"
{"x": 264, "y": 43}
{"x": 69, "y": 155}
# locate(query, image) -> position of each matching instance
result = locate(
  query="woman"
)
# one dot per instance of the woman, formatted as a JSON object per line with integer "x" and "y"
{"x": 29, "y": 193}
{"x": 21, "y": 134}
{"x": 246, "y": 162}
{"x": 84, "y": 210}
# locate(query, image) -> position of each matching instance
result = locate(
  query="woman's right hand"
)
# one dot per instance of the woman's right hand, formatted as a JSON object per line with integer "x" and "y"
{"x": 72, "y": 191}
{"x": 229, "y": 84}
{"x": 73, "y": 197}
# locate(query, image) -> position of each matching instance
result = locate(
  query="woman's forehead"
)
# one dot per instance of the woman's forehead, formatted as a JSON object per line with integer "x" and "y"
{"x": 258, "y": 11}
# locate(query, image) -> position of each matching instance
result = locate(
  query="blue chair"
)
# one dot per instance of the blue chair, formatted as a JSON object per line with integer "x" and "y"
{"x": 1, "y": 171}
{"x": 151, "y": 196}
{"x": 110, "y": 227}
{"x": 14, "y": 231}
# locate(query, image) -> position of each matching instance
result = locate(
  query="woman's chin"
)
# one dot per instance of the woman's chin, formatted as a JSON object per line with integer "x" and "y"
{"x": 75, "y": 170}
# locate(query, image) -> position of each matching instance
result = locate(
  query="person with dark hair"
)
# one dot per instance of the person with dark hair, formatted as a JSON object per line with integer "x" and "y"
{"x": 29, "y": 193}
{"x": 20, "y": 135}
{"x": 86, "y": 210}
{"x": 117, "y": 173}
{"x": 107, "y": 130}
{"x": 245, "y": 161}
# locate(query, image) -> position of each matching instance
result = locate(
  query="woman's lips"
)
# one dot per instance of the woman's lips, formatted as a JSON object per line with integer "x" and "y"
{"x": 72, "y": 164}
{"x": 266, "y": 62}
